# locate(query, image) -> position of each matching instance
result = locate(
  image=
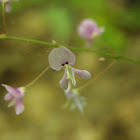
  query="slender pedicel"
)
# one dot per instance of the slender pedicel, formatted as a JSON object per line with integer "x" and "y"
{"x": 96, "y": 77}
{"x": 17, "y": 94}
{"x": 106, "y": 46}
{"x": 38, "y": 77}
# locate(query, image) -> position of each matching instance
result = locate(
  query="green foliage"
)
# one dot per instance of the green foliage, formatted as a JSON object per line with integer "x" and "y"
{"x": 59, "y": 21}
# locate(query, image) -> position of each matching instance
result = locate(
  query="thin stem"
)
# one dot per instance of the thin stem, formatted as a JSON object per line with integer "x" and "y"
{"x": 97, "y": 76}
{"x": 106, "y": 46}
{"x": 71, "y": 48}
{"x": 3, "y": 16}
{"x": 38, "y": 77}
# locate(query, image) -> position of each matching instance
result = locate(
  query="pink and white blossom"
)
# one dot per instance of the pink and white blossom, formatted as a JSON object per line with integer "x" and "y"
{"x": 63, "y": 58}
{"x": 16, "y": 95}
{"x": 88, "y": 30}
{"x": 8, "y": 4}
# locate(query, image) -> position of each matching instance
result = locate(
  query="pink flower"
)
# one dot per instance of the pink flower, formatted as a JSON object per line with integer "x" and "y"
{"x": 16, "y": 95}
{"x": 88, "y": 30}
{"x": 8, "y": 5}
{"x": 63, "y": 58}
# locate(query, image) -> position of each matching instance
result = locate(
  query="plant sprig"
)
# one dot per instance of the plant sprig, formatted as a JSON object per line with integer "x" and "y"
{"x": 71, "y": 48}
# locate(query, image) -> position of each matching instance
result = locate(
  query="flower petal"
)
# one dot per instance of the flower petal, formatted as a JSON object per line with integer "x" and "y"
{"x": 8, "y": 7}
{"x": 80, "y": 103}
{"x": 68, "y": 89}
{"x": 86, "y": 28}
{"x": 13, "y": 91}
{"x": 21, "y": 91}
{"x": 8, "y": 96}
{"x": 82, "y": 73}
{"x": 59, "y": 57}
{"x": 68, "y": 92}
{"x": 64, "y": 82}
{"x": 19, "y": 107}
{"x": 77, "y": 101}
{"x": 12, "y": 103}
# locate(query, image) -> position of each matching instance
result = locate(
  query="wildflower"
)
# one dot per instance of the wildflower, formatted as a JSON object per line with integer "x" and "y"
{"x": 77, "y": 101}
{"x": 88, "y": 30}
{"x": 63, "y": 58}
{"x": 16, "y": 95}
{"x": 8, "y": 4}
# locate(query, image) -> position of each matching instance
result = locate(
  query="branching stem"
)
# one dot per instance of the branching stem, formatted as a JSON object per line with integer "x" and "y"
{"x": 71, "y": 48}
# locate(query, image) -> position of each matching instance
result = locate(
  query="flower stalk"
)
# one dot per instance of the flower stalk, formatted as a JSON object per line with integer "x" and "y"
{"x": 38, "y": 77}
{"x": 71, "y": 48}
{"x": 97, "y": 76}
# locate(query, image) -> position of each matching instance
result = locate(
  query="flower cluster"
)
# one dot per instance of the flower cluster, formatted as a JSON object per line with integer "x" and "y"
{"x": 88, "y": 30}
{"x": 73, "y": 96}
{"x": 63, "y": 58}
{"x": 8, "y": 4}
{"x": 59, "y": 58}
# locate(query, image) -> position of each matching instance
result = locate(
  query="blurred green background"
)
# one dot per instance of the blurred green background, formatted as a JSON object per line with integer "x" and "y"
{"x": 113, "y": 100}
